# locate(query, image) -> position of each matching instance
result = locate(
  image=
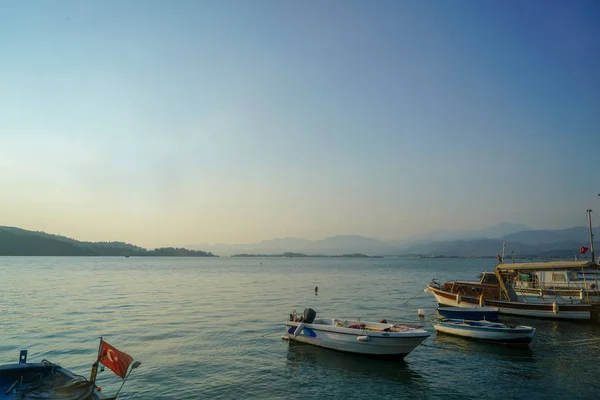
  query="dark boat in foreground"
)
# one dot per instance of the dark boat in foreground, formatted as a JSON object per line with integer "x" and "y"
{"x": 44, "y": 380}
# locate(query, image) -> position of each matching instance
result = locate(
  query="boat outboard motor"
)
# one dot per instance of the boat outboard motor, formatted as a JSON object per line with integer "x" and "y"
{"x": 309, "y": 315}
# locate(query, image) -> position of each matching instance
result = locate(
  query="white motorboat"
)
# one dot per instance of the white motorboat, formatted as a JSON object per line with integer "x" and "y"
{"x": 487, "y": 331}
{"x": 355, "y": 336}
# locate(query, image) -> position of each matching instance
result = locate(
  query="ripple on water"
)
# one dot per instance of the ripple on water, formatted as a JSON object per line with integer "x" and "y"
{"x": 210, "y": 328}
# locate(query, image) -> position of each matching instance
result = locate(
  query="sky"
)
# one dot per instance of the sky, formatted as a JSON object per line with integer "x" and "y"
{"x": 167, "y": 123}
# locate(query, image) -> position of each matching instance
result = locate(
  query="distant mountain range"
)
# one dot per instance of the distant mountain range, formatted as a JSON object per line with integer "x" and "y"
{"x": 496, "y": 231}
{"x": 20, "y": 242}
{"x": 521, "y": 241}
{"x": 335, "y": 245}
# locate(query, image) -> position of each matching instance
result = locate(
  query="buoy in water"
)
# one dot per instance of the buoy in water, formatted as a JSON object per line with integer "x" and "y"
{"x": 421, "y": 312}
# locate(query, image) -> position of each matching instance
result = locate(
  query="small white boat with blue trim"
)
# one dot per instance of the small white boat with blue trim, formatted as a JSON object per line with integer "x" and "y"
{"x": 485, "y": 330}
{"x": 470, "y": 313}
{"x": 355, "y": 336}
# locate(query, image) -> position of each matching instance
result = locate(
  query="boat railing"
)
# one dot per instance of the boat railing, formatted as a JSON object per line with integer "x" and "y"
{"x": 489, "y": 292}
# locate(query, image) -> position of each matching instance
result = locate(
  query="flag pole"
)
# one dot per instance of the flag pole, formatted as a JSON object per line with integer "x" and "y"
{"x": 95, "y": 365}
{"x": 589, "y": 212}
{"x": 133, "y": 366}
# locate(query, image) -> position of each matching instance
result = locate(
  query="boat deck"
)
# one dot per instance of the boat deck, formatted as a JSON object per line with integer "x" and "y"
{"x": 34, "y": 381}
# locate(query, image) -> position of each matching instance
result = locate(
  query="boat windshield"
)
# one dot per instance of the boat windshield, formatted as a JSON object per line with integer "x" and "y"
{"x": 488, "y": 278}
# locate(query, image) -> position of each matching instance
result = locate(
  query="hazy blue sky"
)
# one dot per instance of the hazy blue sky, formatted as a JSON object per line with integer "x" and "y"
{"x": 178, "y": 122}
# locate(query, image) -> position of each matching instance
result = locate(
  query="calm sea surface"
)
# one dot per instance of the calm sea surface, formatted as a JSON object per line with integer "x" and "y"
{"x": 211, "y": 327}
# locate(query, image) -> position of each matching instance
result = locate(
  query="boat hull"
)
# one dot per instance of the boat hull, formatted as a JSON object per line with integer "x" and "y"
{"x": 490, "y": 333}
{"x": 45, "y": 379}
{"x": 539, "y": 308}
{"x": 358, "y": 342}
{"x": 471, "y": 313}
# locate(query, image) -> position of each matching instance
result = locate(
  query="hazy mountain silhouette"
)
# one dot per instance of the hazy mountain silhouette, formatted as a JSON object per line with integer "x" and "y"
{"x": 469, "y": 248}
{"x": 272, "y": 246}
{"x": 21, "y": 242}
{"x": 334, "y": 245}
{"x": 495, "y": 231}
{"x": 521, "y": 241}
{"x": 536, "y": 237}
{"x": 532, "y": 243}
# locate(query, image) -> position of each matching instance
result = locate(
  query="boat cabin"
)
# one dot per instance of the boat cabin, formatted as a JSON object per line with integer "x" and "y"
{"x": 490, "y": 278}
{"x": 553, "y": 275}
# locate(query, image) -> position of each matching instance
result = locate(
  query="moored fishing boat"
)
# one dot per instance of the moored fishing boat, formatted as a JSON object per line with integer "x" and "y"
{"x": 470, "y": 313}
{"x": 556, "y": 289}
{"x": 547, "y": 301}
{"x": 355, "y": 336}
{"x": 485, "y": 330}
{"x": 46, "y": 380}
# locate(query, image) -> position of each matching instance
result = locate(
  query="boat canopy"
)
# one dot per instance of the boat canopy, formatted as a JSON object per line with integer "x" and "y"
{"x": 508, "y": 267}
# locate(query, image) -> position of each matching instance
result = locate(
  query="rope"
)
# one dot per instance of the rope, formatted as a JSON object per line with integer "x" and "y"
{"x": 412, "y": 298}
{"x": 272, "y": 333}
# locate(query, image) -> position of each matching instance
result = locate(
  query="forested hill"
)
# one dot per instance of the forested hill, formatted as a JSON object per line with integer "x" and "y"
{"x": 20, "y": 242}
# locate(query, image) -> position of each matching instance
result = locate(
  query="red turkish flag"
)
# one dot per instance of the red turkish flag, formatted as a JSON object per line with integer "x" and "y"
{"x": 114, "y": 359}
{"x": 583, "y": 250}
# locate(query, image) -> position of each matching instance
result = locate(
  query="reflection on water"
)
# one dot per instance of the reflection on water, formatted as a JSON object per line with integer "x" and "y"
{"x": 479, "y": 348}
{"x": 301, "y": 355}
{"x": 326, "y": 364}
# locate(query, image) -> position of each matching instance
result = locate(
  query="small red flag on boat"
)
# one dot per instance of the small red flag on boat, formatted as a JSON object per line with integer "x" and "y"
{"x": 583, "y": 250}
{"x": 114, "y": 359}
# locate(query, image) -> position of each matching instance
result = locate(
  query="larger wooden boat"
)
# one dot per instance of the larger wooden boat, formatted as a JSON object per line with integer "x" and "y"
{"x": 560, "y": 290}
{"x": 556, "y": 289}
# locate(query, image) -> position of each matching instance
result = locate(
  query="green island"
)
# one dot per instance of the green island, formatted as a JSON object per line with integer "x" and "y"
{"x": 21, "y": 242}
{"x": 292, "y": 255}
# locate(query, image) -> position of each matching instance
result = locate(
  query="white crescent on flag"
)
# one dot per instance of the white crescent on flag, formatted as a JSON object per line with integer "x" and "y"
{"x": 112, "y": 358}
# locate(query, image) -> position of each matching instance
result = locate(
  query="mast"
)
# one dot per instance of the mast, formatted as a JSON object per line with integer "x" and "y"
{"x": 589, "y": 213}
{"x": 95, "y": 365}
{"x": 503, "y": 248}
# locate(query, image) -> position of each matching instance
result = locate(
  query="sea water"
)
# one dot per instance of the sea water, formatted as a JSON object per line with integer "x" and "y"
{"x": 211, "y": 328}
